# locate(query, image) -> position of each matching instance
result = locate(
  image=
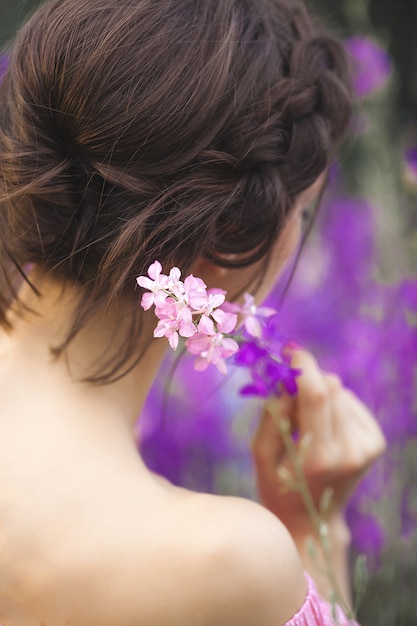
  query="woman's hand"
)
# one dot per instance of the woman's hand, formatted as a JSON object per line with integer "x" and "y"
{"x": 345, "y": 441}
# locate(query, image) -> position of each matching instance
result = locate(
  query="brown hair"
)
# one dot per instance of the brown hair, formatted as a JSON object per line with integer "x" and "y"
{"x": 135, "y": 130}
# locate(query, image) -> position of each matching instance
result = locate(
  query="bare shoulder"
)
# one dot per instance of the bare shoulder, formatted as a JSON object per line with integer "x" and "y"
{"x": 177, "y": 558}
{"x": 211, "y": 561}
{"x": 247, "y": 569}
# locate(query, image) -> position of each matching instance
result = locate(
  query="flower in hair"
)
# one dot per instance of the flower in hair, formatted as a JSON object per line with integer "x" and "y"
{"x": 209, "y": 325}
{"x": 155, "y": 284}
{"x": 188, "y": 309}
{"x": 253, "y": 314}
{"x": 211, "y": 349}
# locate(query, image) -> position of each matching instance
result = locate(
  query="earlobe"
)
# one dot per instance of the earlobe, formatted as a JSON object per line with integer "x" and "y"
{"x": 205, "y": 267}
{"x": 218, "y": 271}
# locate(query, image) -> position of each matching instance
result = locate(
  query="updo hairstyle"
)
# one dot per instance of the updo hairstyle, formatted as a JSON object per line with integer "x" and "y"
{"x": 135, "y": 130}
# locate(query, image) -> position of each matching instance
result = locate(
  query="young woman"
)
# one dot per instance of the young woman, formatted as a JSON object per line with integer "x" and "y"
{"x": 195, "y": 132}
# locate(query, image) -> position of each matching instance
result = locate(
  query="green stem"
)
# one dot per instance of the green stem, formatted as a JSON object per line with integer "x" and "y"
{"x": 320, "y": 525}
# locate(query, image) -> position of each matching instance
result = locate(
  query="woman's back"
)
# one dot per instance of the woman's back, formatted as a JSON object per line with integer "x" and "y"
{"x": 89, "y": 536}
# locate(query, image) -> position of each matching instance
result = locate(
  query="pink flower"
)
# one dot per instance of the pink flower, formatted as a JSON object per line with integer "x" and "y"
{"x": 156, "y": 283}
{"x": 174, "y": 320}
{"x": 169, "y": 329}
{"x": 216, "y": 298}
{"x": 231, "y": 307}
{"x": 195, "y": 292}
{"x": 251, "y": 314}
{"x": 211, "y": 349}
{"x": 206, "y": 326}
{"x": 226, "y": 322}
{"x": 168, "y": 307}
{"x": 174, "y": 285}
{"x": 211, "y": 313}
{"x": 187, "y": 309}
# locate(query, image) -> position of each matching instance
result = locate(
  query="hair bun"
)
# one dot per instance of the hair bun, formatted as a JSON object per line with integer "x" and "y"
{"x": 116, "y": 150}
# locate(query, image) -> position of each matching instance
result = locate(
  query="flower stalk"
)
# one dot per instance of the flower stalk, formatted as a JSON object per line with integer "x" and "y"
{"x": 317, "y": 515}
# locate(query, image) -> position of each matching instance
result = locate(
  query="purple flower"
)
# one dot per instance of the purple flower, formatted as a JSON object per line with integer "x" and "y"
{"x": 271, "y": 377}
{"x": 372, "y": 65}
{"x": 408, "y": 294}
{"x": 268, "y": 362}
{"x": 411, "y": 166}
{"x": 249, "y": 354}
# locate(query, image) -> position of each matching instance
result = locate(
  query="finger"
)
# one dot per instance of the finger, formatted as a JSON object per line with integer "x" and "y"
{"x": 359, "y": 438}
{"x": 353, "y": 403}
{"x": 373, "y": 439}
{"x": 364, "y": 415}
{"x": 353, "y": 413}
{"x": 333, "y": 381}
{"x": 312, "y": 401}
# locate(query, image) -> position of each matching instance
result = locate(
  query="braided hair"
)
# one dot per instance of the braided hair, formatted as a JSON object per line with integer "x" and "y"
{"x": 132, "y": 130}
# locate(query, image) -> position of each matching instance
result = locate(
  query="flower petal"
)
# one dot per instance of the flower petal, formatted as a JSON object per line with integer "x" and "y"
{"x": 145, "y": 282}
{"x": 226, "y": 321}
{"x": 221, "y": 366}
{"x": 173, "y": 340}
{"x": 147, "y": 301}
{"x": 201, "y": 364}
{"x": 206, "y": 326}
{"x": 198, "y": 343}
{"x": 175, "y": 274}
{"x": 253, "y": 326}
{"x": 154, "y": 270}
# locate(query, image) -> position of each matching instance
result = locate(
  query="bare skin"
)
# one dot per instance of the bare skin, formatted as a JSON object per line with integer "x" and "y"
{"x": 90, "y": 537}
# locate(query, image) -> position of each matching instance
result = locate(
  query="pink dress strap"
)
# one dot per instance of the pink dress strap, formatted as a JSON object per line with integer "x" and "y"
{"x": 317, "y": 612}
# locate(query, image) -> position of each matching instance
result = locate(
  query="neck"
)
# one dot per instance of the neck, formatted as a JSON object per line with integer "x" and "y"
{"x": 46, "y": 326}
